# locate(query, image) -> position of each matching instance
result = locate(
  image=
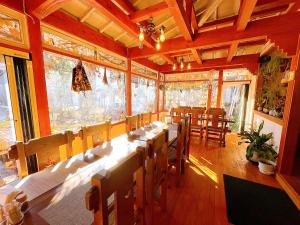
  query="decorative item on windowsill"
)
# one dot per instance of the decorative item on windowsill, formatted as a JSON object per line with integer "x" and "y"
{"x": 80, "y": 82}
{"x": 105, "y": 77}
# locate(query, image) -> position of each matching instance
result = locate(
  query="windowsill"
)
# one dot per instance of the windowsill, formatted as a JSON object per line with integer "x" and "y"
{"x": 270, "y": 118}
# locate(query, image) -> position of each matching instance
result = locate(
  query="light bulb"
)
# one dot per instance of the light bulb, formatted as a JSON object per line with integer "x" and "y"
{"x": 189, "y": 66}
{"x": 162, "y": 36}
{"x": 141, "y": 34}
{"x": 181, "y": 65}
{"x": 157, "y": 45}
{"x": 174, "y": 66}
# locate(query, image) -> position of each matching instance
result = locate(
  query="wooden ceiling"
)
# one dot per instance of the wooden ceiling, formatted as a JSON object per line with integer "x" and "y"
{"x": 192, "y": 26}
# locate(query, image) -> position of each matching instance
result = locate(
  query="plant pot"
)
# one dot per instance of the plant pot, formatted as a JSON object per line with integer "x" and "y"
{"x": 259, "y": 108}
{"x": 255, "y": 157}
{"x": 265, "y": 168}
{"x": 265, "y": 110}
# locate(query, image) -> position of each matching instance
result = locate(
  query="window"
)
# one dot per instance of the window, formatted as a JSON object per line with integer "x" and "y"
{"x": 8, "y": 171}
{"x": 186, "y": 94}
{"x": 70, "y": 110}
{"x": 143, "y": 95}
{"x": 214, "y": 93}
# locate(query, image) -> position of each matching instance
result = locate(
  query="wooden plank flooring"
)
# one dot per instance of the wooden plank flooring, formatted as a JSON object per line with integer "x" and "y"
{"x": 200, "y": 199}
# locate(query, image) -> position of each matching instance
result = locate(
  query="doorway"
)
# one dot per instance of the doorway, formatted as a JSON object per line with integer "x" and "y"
{"x": 16, "y": 111}
{"x": 235, "y": 101}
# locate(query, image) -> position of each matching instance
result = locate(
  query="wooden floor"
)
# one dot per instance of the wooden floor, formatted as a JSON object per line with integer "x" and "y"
{"x": 200, "y": 199}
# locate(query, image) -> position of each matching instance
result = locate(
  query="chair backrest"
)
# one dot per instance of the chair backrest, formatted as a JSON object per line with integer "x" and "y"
{"x": 215, "y": 117}
{"x": 175, "y": 114}
{"x": 99, "y": 133}
{"x": 181, "y": 137}
{"x": 156, "y": 172}
{"x": 158, "y": 151}
{"x": 197, "y": 115}
{"x": 184, "y": 109}
{"x": 133, "y": 123}
{"x": 119, "y": 183}
{"x": 39, "y": 153}
{"x": 145, "y": 118}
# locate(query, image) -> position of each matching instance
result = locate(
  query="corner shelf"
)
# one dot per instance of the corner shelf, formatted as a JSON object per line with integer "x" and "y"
{"x": 270, "y": 118}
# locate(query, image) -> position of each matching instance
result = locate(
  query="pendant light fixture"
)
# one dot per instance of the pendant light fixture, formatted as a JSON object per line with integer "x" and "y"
{"x": 149, "y": 30}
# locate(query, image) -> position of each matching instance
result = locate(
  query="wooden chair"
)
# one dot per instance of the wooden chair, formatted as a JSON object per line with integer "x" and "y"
{"x": 145, "y": 118}
{"x": 184, "y": 109}
{"x": 99, "y": 133}
{"x": 128, "y": 206}
{"x": 176, "y": 152}
{"x": 156, "y": 173}
{"x": 197, "y": 123}
{"x": 215, "y": 126}
{"x": 41, "y": 152}
{"x": 133, "y": 123}
{"x": 175, "y": 115}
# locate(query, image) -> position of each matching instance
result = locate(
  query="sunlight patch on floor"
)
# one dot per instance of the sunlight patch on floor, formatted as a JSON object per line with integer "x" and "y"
{"x": 204, "y": 169}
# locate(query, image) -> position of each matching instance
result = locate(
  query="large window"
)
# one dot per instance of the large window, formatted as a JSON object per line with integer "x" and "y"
{"x": 143, "y": 93}
{"x": 71, "y": 110}
{"x": 186, "y": 94}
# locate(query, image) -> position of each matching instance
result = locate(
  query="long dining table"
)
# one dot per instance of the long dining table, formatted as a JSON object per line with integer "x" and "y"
{"x": 57, "y": 194}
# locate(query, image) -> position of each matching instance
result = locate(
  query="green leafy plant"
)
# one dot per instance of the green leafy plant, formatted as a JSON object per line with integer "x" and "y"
{"x": 258, "y": 143}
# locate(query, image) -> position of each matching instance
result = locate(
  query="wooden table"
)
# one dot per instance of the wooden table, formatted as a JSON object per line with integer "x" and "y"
{"x": 107, "y": 155}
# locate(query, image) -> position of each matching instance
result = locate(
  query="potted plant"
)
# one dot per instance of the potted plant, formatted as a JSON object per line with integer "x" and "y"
{"x": 256, "y": 142}
{"x": 267, "y": 157}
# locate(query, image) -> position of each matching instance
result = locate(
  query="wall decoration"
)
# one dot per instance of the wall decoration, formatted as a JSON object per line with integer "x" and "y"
{"x": 271, "y": 92}
{"x": 192, "y": 76}
{"x": 13, "y": 27}
{"x": 143, "y": 70}
{"x": 55, "y": 39}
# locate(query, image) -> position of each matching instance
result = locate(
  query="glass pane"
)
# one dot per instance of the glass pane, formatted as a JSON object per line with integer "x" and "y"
{"x": 71, "y": 110}
{"x": 8, "y": 170}
{"x": 143, "y": 95}
{"x": 10, "y": 28}
{"x": 214, "y": 93}
{"x": 186, "y": 94}
{"x": 233, "y": 104}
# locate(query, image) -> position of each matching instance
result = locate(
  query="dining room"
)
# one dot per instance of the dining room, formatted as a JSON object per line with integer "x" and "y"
{"x": 150, "y": 112}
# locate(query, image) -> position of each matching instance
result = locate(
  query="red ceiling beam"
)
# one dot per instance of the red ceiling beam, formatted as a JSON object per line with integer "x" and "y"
{"x": 245, "y": 13}
{"x": 115, "y": 14}
{"x": 125, "y": 5}
{"x": 215, "y": 63}
{"x": 180, "y": 17}
{"x": 197, "y": 55}
{"x": 74, "y": 27}
{"x": 151, "y": 11}
{"x": 194, "y": 21}
{"x": 232, "y": 50}
{"x": 43, "y": 8}
{"x": 256, "y": 30}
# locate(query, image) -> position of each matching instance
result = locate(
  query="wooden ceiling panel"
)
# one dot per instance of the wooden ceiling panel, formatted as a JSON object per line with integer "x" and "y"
{"x": 96, "y": 20}
{"x": 76, "y": 8}
{"x": 141, "y": 4}
{"x": 215, "y": 54}
{"x": 228, "y": 8}
{"x": 246, "y": 50}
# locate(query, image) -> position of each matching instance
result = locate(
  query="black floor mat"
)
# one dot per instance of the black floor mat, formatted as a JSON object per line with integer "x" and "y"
{"x": 250, "y": 203}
